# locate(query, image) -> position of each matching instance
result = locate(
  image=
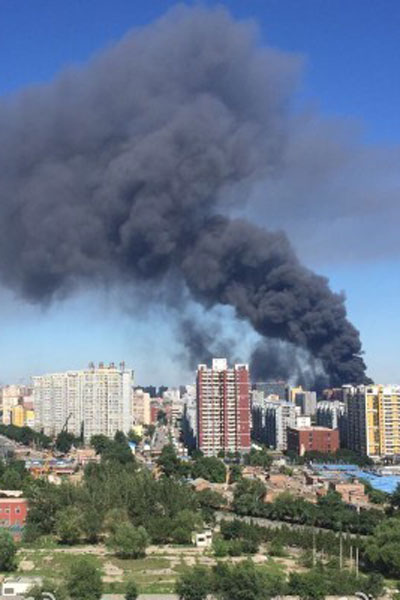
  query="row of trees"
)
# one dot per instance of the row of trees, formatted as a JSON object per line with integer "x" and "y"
{"x": 210, "y": 468}
{"x": 342, "y": 455}
{"x": 330, "y": 511}
{"x": 25, "y": 435}
{"x": 214, "y": 469}
{"x": 245, "y": 581}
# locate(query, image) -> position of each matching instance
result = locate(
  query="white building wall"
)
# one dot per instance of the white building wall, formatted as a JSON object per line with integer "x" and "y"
{"x": 100, "y": 399}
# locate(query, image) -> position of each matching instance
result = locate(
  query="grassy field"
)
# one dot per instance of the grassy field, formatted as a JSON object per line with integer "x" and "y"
{"x": 156, "y": 573}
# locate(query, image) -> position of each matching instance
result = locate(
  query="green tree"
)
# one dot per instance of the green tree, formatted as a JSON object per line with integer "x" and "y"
{"x": 149, "y": 430}
{"x": 374, "y": 585}
{"x": 210, "y": 501}
{"x": 162, "y": 417}
{"x": 258, "y": 458}
{"x": 210, "y": 468}
{"x": 14, "y": 475}
{"x": 243, "y": 581}
{"x": 11, "y": 479}
{"x": 128, "y": 541}
{"x": 131, "y": 590}
{"x": 69, "y": 525}
{"x": 309, "y": 586}
{"x": 134, "y": 437}
{"x": 118, "y": 450}
{"x": 100, "y": 443}
{"x": 91, "y": 524}
{"x": 382, "y": 551}
{"x": 395, "y": 498}
{"x": 183, "y": 525}
{"x": 8, "y": 551}
{"x": 65, "y": 441}
{"x": 235, "y": 473}
{"x": 83, "y": 581}
{"x": 169, "y": 462}
{"x": 194, "y": 584}
{"x": 248, "y": 496}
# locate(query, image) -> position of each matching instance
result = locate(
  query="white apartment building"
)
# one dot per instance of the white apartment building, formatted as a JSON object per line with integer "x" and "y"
{"x": 330, "y": 413}
{"x": 94, "y": 400}
{"x": 271, "y": 419}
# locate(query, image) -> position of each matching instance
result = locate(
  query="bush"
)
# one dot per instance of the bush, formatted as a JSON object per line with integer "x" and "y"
{"x": 8, "y": 552}
{"x": 128, "y": 541}
{"x": 131, "y": 590}
{"x": 194, "y": 584}
{"x": 83, "y": 580}
{"x": 69, "y": 525}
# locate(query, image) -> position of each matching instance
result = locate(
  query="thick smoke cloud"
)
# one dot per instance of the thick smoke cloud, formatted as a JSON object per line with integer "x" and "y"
{"x": 125, "y": 170}
{"x": 274, "y": 360}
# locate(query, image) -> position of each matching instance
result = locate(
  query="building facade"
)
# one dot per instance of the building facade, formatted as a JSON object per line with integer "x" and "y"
{"x": 91, "y": 401}
{"x": 333, "y": 414}
{"x": 141, "y": 407}
{"x": 12, "y": 396}
{"x": 13, "y": 511}
{"x": 223, "y": 408}
{"x": 271, "y": 420}
{"x": 373, "y": 419}
{"x": 308, "y": 439}
{"x": 306, "y": 401}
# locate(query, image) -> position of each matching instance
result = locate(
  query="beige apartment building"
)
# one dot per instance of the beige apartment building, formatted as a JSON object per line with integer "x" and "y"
{"x": 11, "y": 396}
{"x": 141, "y": 407}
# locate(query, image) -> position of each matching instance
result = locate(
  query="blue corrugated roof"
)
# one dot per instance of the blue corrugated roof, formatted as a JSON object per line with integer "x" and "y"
{"x": 384, "y": 483}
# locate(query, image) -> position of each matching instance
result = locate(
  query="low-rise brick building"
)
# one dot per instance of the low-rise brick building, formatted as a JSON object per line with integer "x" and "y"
{"x": 13, "y": 511}
{"x": 307, "y": 439}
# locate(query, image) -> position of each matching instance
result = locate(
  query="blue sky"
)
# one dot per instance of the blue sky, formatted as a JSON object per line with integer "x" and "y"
{"x": 351, "y": 51}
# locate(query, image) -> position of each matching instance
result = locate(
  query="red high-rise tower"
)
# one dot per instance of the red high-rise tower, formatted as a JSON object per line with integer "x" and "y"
{"x": 223, "y": 408}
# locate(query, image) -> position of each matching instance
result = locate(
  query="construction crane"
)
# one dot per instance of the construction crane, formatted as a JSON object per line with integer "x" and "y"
{"x": 65, "y": 426}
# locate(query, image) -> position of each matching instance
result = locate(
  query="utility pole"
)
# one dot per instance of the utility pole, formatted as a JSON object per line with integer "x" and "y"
{"x": 357, "y": 560}
{"x": 314, "y": 551}
{"x": 351, "y": 558}
{"x": 340, "y": 550}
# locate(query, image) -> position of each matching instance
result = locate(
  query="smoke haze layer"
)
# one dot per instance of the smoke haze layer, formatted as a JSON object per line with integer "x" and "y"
{"x": 125, "y": 170}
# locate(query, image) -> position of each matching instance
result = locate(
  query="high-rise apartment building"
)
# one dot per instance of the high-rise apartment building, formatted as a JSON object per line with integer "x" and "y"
{"x": 306, "y": 401}
{"x": 373, "y": 419}
{"x": 271, "y": 420}
{"x": 330, "y": 413}
{"x": 94, "y": 400}
{"x": 223, "y": 408}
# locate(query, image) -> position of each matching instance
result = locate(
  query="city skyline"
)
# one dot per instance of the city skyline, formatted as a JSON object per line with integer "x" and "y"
{"x": 101, "y": 324}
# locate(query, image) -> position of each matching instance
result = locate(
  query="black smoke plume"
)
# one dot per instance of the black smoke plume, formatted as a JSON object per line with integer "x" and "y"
{"x": 276, "y": 360}
{"x": 124, "y": 170}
